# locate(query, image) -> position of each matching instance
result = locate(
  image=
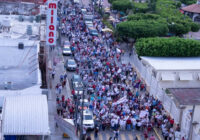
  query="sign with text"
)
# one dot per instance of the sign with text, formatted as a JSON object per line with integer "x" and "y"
{"x": 51, "y": 22}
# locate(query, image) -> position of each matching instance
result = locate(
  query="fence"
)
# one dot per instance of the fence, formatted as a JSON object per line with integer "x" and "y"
{"x": 153, "y": 87}
{"x": 67, "y": 127}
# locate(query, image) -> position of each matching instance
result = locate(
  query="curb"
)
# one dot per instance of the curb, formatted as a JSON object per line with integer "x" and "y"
{"x": 159, "y": 137}
{"x": 138, "y": 137}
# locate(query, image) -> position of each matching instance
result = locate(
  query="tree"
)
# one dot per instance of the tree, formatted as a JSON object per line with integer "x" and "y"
{"x": 167, "y": 47}
{"x": 142, "y": 28}
{"x": 152, "y": 5}
{"x": 121, "y": 5}
{"x": 188, "y": 2}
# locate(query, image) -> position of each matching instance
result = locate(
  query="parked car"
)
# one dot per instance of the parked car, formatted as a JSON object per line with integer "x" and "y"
{"x": 88, "y": 120}
{"x": 93, "y": 31}
{"x": 67, "y": 50}
{"x": 70, "y": 65}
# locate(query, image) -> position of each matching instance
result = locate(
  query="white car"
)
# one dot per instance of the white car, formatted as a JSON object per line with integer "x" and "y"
{"x": 67, "y": 50}
{"x": 70, "y": 65}
{"x": 88, "y": 120}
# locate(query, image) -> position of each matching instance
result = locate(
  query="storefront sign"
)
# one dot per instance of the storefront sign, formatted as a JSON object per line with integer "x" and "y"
{"x": 51, "y": 22}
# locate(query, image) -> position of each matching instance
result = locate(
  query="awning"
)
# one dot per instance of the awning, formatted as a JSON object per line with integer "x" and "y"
{"x": 186, "y": 76}
{"x": 26, "y": 115}
{"x": 199, "y": 76}
{"x": 168, "y": 77}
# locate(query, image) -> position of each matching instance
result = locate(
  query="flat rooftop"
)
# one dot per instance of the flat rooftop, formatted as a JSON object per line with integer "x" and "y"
{"x": 173, "y": 63}
{"x": 186, "y": 96}
{"x": 18, "y": 66}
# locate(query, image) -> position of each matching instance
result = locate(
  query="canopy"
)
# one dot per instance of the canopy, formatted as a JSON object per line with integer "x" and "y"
{"x": 186, "y": 76}
{"x": 107, "y": 30}
{"x": 26, "y": 115}
{"x": 168, "y": 76}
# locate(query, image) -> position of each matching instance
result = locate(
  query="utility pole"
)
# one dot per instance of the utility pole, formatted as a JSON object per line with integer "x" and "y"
{"x": 191, "y": 127}
{"x": 81, "y": 138}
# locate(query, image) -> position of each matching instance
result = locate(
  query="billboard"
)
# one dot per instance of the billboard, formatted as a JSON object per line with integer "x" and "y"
{"x": 51, "y": 22}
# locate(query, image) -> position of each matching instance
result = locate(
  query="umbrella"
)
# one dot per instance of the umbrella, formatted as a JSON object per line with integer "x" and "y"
{"x": 107, "y": 30}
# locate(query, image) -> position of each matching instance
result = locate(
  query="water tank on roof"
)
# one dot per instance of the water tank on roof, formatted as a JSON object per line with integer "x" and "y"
{"x": 21, "y": 45}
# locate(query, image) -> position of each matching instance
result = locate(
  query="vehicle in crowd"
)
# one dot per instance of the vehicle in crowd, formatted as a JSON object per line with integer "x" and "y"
{"x": 66, "y": 44}
{"x": 85, "y": 104}
{"x": 84, "y": 11}
{"x": 73, "y": 13}
{"x": 75, "y": 78}
{"x": 77, "y": 1}
{"x": 88, "y": 17}
{"x": 70, "y": 65}
{"x": 93, "y": 31}
{"x": 78, "y": 88}
{"x": 67, "y": 50}
{"x": 89, "y": 24}
{"x": 88, "y": 120}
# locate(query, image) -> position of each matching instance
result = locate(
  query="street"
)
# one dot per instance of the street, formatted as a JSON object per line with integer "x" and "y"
{"x": 59, "y": 61}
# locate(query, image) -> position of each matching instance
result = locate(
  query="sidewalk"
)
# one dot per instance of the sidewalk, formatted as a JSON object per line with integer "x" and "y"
{"x": 56, "y": 133}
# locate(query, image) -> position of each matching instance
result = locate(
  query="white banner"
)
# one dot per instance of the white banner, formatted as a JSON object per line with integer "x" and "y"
{"x": 121, "y": 100}
{"x": 51, "y": 22}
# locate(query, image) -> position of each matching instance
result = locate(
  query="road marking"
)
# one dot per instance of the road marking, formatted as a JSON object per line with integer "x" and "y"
{"x": 92, "y": 136}
{"x": 122, "y": 136}
{"x": 155, "y": 130}
{"x": 101, "y": 136}
{"x": 138, "y": 137}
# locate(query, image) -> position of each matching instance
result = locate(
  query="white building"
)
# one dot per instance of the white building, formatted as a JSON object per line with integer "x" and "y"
{"x": 162, "y": 75}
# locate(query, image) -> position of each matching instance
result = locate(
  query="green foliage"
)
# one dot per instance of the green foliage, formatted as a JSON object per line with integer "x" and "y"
{"x": 178, "y": 24}
{"x": 142, "y": 28}
{"x": 111, "y": 1}
{"x": 107, "y": 23}
{"x": 121, "y": 5}
{"x": 152, "y": 5}
{"x": 195, "y": 27}
{"x": 188, "y": 2}
{"x": 141, "y": 16}
{"x": 167, "y": 47}
{"x": 140, "y": 7}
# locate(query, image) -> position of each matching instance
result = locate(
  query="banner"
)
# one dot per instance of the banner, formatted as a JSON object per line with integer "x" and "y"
{"x": 121, "y": 100}
{"x": 51, "y": 22}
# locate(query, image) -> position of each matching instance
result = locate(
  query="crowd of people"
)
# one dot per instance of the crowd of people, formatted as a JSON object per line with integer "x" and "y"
{"x": 117, "y": 96}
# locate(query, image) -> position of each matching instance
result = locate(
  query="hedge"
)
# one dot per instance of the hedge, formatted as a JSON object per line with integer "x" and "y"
{"x": 167, "y": 47}
{"x": 188, "y": 2}
{"x": 142, "y": 28}
{"x": 121, "y": 5}
{"x": 142, "y": 16}
{"x": 140, "y": 7}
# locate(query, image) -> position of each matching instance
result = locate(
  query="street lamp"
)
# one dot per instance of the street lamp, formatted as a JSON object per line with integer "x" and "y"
{"x": 83, "y": 96}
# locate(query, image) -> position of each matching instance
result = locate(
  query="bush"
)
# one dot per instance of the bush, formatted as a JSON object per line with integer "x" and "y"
{"x": 141, "y": 16}
{"x": 188, "y": 2}
{"x": 167, "y": 47}
{"x": 121, "y": 5}
{"x": 140, "y": 7}
{"x": 195, "y": 27}
{"x": 107, "y": 23}
{"x": 142, "y": 28}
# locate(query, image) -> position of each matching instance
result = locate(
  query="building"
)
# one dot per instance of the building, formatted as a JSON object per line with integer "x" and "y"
{"x": 173, "y": 80}
{"x": 193, "y": 11}
{"x": 24, "y": 108}
{"x": 25, "y": 116}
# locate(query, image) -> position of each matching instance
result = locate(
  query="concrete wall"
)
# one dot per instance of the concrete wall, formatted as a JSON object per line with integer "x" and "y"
{"x": 156, "y": 87}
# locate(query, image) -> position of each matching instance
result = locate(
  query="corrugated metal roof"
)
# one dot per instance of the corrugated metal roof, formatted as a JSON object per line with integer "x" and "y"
{"x": 26, "y": 115}
{"x": 194, "y": 8}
